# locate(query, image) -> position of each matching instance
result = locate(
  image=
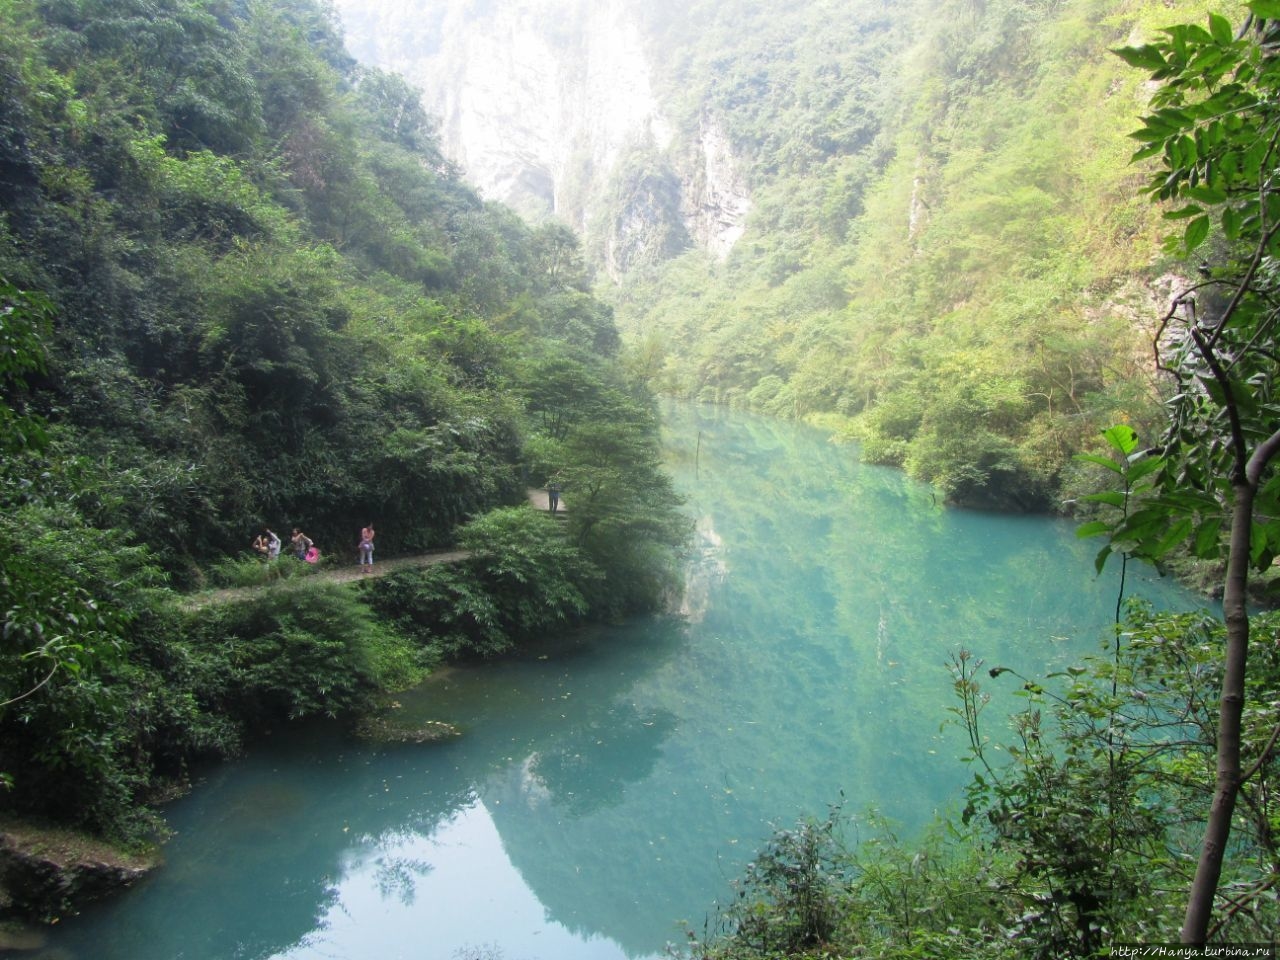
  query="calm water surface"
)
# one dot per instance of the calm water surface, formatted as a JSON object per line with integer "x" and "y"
{"x": 609, "y": 785}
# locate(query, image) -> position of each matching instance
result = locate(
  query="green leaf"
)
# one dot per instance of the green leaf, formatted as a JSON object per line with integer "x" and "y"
{"x": 1180, "y": 530}
{"x": 1182, "y": 154}
{"x": 1231, "y": 221}
{"x": 1175, "y": 119}
{"x": 1121, "y": 437}
{"x": 1266, "y": 9}
{"x": 1145, "y": 57}
{"x": 1198, "y": 34}
{"x": 1143, "y": 467}
{"x": 1197, "y": 231}
{"x": 1206, "y": 195}
{"x": 1220, "y": 27}
{"x": 1100, "y": 560}
{"x": 1213, "y": 388}
{"x": 1093, "y": 528}
{"x": 1147, "y": 151}
{"x": 1154, "y": 133}
{"x": 1257, "y": 543}
{"x": 1206, "y": 540}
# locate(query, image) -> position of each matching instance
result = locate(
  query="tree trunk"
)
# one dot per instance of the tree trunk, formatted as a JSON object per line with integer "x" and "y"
{"x": 1235, "y": 615}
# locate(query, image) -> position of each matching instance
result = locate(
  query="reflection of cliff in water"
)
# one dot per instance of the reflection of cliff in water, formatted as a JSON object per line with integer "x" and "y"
{"x": 706, "y": 570}
{"x": 280, "y": 832}
{"x": 566, "y": 811}
{"x": 588, "y": 767}
{"x": 268, "y": 842}
{"x": 557, "y": 741}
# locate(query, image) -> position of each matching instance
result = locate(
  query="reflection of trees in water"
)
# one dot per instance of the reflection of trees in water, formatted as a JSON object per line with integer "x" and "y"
{"x": 398, "y": 876}
{"x": 270, "y": 839}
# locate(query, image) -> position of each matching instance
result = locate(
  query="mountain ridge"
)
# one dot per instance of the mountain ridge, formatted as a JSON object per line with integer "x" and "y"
{"x": 916, "y": 223}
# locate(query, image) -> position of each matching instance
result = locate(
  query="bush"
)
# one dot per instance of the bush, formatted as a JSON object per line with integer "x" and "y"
{"x": 69, "y": 597}
{"x": 791, "y": 897}
{"x": 521, "y": 579}
{"x": 313, "y": 650}
{"x": 253, "y": 571}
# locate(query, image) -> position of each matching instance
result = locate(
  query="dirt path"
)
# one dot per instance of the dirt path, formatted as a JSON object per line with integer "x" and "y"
{"x": 335, "y": 575}
{"x": 537, "y": 498}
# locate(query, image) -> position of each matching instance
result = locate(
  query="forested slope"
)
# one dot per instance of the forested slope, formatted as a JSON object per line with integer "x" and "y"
{"x": 948, "y": 256}
{"x": 239, "y": 286}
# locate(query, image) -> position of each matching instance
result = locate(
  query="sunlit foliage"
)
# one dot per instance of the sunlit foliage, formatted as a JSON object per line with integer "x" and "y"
{"x": 947, "y": 255}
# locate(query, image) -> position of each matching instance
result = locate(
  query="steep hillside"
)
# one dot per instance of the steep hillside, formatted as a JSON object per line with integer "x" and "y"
{"x": 241, "y": 288}
{"x": 915, "y": 220}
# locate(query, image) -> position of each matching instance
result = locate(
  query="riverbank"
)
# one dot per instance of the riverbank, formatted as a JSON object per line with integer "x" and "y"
{"x": 48, "y": 872}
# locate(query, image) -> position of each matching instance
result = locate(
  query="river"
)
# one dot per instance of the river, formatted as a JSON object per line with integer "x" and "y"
{"x": 608, "y": 785}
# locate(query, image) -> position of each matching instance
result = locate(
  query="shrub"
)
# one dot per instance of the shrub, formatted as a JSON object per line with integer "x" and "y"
{"x": 70, "y": 595}
{"x": 313, "y": 650}
{"x": 522, "y": 578}
{"x": 251, "y": 571}
{"x": 791, "y": 896}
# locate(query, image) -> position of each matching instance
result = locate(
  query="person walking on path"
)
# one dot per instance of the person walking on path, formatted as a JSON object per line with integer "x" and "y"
{"x": 366, "y": 549}
{"x": 553, "y": 496}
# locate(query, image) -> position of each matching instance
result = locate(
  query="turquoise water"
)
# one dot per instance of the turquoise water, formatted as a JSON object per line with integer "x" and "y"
{"x": 609, "y": 785}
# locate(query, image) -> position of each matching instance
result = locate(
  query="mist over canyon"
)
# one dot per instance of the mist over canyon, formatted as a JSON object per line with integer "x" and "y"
{"x": 553, "y": 108}
{"x": 917, "y": 222}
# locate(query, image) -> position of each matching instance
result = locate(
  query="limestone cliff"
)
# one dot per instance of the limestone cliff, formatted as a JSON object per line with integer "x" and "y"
{"x": 550, "y": 107}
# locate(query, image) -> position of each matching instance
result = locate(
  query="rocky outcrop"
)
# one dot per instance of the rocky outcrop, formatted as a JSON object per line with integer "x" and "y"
{"x": 717, "y": 196}
{"x": 549, "y": 107}
{"x": 47, "y": 873}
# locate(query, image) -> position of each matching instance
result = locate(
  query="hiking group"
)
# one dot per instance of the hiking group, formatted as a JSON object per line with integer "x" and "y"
{"x": 267, "y": 545}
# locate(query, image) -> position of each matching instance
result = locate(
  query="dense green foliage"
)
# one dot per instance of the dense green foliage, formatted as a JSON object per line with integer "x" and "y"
{"x": 522, "y": 578}
{"x": 265, "y": 299}
{"x": 529, "y": 572}
{"x": 1211, "y": 481}
{"x": 947, "y": 255}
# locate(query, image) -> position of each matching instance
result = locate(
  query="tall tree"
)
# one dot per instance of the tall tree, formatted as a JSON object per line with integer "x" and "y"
{"x": 1215, "y": 130}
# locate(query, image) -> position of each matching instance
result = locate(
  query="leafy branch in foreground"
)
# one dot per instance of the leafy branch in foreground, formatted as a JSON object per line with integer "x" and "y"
{"x": 1215, "y": 131}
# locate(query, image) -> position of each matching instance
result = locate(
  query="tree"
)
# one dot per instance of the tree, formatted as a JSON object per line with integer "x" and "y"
{"x": 1215, "y": 131}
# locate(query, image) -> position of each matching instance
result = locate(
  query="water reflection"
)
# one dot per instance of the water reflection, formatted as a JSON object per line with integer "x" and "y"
{"x": 609, "y": 785}
{"x": 484, "y": 898}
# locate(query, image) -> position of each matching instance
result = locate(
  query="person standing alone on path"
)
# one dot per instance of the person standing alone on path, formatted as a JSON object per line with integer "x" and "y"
{"x": 366, "y": 549}
{"x": 553, "y": 496}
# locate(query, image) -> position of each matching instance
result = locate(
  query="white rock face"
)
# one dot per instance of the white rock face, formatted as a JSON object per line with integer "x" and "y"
{"x": 540, "y": 100}
{"x": 719, "y": 215}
